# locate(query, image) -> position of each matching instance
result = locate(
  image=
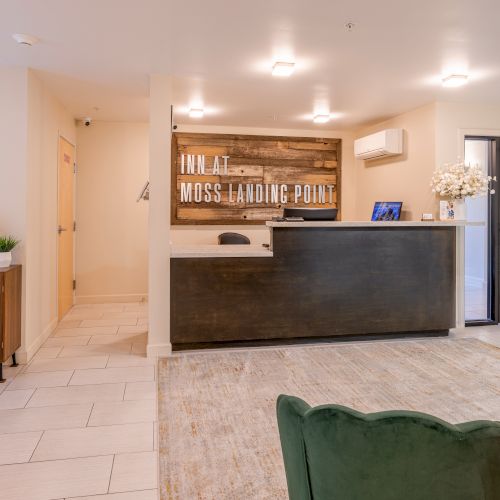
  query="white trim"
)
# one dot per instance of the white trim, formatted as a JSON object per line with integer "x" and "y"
{"x": 155, "y": 351}
{"x": 99, "y": 299}
{"x": 24, "y": 356}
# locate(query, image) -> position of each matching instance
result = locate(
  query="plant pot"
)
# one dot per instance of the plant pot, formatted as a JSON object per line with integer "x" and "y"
{"x": 5, "y": 259}
{"x": 452, "y": 210}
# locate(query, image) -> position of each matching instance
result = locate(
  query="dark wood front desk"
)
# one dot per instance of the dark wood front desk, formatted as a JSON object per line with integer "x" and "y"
{"x": 318, "y": 281}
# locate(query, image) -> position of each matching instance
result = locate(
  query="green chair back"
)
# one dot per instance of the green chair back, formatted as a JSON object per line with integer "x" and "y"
{"x": 335, "y": 453}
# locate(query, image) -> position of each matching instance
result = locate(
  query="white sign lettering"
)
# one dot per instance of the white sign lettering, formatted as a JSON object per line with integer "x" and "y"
{"x": 209, "y": 192}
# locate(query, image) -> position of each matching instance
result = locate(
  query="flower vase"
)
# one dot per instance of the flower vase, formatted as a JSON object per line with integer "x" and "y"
{"x": 452, "y": 209}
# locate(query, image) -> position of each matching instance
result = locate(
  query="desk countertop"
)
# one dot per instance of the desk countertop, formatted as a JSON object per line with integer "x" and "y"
{"x": 340, "y": 224}
{"x": 194, "y": 251}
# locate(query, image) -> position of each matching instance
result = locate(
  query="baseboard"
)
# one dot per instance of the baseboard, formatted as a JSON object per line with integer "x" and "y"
{"x": 159, "y": 350}
{"x": 24, "y": 356}
{"x": 105, "y": 299}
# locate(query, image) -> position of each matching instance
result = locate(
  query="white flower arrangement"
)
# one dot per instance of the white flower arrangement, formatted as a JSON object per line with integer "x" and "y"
{"x": 458, "y": 181}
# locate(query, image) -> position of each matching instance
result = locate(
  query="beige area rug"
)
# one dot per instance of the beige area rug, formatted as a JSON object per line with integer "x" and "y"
{"x": 218, "y": 432}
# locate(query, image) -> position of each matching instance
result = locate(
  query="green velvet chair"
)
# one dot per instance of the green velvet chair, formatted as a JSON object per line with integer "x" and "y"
{"x": 334, "y": 453}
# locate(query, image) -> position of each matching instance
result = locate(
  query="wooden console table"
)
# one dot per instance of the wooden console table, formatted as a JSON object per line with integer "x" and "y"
{"x": 10, "y": 314}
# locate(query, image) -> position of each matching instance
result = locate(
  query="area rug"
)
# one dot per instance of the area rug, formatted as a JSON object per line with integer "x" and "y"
{"x": 218, "y": 436}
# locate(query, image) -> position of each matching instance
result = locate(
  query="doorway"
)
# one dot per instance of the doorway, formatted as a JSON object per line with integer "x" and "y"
{"x": 481, "y": 237}
{"x": 65, "y": 226}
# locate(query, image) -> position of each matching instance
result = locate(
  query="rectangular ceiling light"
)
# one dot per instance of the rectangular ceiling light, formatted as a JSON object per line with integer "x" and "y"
{"x": 321, "y": 118}
{"x": 454, "y": 80}
{"x": 196, "y": 113}
{"x": 283, "y": 68}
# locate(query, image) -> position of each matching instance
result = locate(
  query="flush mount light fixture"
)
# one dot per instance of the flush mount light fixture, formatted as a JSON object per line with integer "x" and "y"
{"x": 196, "y": 113}
{"x": 23, "y": 39}
{"x": 321, "y": 118}
{"x": 283, "y": 68}
{"x": 454, "y": 80}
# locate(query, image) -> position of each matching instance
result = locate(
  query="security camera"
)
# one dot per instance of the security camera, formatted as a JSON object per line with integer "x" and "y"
{"x": 87, "y": 121}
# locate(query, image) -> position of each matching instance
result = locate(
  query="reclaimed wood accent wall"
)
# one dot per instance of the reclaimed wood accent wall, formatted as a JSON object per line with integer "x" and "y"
{"x": 235, "y": 179}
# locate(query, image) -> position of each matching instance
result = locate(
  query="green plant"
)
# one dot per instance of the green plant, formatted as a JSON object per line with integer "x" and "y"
{"x": 7, "y": 243}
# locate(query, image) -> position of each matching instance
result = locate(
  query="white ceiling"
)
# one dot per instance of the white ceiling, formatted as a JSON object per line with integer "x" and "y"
{"x": 99, "y": 53}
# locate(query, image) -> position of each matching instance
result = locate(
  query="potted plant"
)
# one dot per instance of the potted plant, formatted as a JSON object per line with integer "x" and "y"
{"x": 458, "y": 181}
{"x": 7, "y": 244}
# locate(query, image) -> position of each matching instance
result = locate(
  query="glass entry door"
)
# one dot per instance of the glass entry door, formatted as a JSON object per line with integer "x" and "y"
{"x": 481, "y": 238}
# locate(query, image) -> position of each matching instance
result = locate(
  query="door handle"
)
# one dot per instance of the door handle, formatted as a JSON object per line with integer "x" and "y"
{"x": 60, "y": 229}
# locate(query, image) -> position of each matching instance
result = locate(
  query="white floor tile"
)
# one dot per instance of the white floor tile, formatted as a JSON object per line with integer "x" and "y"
{"x": 43, "y": 379}
{"x": 57, "y": 479}
{"x": 125, "y": 338}
{"x": 108, "y": 322}
{"x": 133, "y": 329}
{"x": 78, "y": 332}
{"x": 139, "y": 348}
{"x": 140, "y": 390}
{"x": 83, "y": 314}
{"x": 53, "y": 396}
{"x": 60, "y": 364}
{"x": 94, "y": 441}
{"x": 120, "y": 360}
{"x": 67, "y": 323}
{"x": 94, "y": 349}
{"x": 122, "y": 412}
{"x": 124, "y": 315}
{"x": 66, "y": 341}
{"x": 130, "y": 495}
{"x": 47, "y": 352}
{"x": 50, "y": 417}
{"x": 134, "y": 471}
{"x": 14, "y": 399}
{"x": 113, "y": 375}
{"x": 18, "y": 448}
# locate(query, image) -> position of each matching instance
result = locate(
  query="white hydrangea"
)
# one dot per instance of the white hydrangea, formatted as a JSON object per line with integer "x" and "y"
{"x": 459, "y": 181}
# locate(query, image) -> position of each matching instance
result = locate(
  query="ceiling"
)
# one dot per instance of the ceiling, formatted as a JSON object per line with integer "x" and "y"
{"x": 100, "y": 53}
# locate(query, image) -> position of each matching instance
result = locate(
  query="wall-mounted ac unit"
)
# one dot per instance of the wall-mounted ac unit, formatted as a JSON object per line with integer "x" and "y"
{"x": 379, "y": 145}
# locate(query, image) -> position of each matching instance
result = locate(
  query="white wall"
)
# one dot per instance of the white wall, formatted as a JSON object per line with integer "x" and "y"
{"x": 112, "y": 228}
{"x": 160, "y": 99}
{"x": 32, "y": 120}
{"x": 13, "y": 154}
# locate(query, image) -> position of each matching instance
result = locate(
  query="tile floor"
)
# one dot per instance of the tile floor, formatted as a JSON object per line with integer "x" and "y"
{"x": 78, "y": 421}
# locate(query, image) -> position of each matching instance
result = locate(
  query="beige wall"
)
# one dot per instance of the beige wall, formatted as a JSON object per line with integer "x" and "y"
{"x": 33, "y": 119}
{"x": 454, "y": 120}
{"x": 402, "y": 178}
{"x": 111, "y": 238}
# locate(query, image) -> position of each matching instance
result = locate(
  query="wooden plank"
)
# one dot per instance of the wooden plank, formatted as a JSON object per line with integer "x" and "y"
{"x": 252, "y": 160}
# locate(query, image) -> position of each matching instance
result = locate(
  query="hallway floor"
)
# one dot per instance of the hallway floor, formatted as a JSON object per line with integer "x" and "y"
{"x": 78, "y": 422}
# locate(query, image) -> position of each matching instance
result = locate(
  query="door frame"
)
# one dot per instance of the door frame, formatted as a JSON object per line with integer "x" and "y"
{"x": 60, "y": 136}
{"x": 494, "y": 216}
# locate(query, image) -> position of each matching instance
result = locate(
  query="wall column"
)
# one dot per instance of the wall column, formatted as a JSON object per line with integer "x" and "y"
{"x": 159, "y": 216}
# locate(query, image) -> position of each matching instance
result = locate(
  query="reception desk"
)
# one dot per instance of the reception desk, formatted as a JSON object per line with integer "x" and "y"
{"x": 317, "y": 281}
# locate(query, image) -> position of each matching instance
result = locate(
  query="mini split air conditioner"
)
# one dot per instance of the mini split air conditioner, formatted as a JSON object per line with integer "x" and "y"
{"x": 379, "y": 145}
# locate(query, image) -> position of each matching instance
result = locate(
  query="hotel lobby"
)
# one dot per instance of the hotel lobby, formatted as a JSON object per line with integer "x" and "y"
{"x": 249, "y": 251}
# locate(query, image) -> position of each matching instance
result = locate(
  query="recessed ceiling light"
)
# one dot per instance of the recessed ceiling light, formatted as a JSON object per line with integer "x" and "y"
{"x": 321, "y": 118}
{"x": 23, "y": 39}
{"x": 454, "y": 80}
{"x": 196, "y": 113}
{"x": 283, "y": 68}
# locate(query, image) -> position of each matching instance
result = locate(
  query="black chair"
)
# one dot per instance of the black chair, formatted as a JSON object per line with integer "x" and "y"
{"x": 233, "y": 239}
